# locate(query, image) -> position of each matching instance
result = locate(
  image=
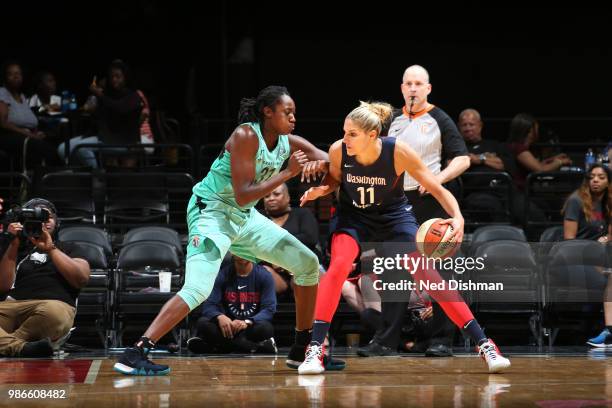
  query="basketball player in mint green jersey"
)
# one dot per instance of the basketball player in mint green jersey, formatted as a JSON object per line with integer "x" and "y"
{"x": 221, "y": 218}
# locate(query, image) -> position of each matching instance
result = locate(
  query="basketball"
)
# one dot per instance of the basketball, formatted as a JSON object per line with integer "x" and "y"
{"x": 433, "y": 239}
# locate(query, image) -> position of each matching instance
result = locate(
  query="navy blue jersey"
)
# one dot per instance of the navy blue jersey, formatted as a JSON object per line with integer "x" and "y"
{"x": 371, "y": 189}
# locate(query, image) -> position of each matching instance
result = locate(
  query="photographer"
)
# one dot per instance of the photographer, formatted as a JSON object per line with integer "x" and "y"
{"x": 42, "y": 281}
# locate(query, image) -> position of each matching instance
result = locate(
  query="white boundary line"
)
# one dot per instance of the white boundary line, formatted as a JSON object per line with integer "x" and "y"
{"x": 93, "y": 372}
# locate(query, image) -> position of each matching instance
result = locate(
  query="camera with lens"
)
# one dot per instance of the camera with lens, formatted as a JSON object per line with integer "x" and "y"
{"x": 32, "y": 219}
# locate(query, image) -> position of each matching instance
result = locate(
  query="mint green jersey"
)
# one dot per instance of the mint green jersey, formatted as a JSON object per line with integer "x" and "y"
{"x": 217, "y": 185}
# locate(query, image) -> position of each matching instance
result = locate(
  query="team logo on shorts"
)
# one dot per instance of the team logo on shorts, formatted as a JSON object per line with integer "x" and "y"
{"x": 195, "y": 241}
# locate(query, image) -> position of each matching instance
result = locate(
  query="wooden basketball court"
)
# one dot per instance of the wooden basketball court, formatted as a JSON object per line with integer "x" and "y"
{"x": 577, "y": 379}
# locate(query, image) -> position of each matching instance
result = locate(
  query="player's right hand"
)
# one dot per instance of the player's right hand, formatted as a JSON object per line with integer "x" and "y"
{"x": 296, "y": 162}
{"x": 312, "y": 194}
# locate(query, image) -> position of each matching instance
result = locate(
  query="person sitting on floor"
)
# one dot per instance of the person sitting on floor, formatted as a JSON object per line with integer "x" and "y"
{"x": 237, "y": 316}
{"x": 43, "y": 282}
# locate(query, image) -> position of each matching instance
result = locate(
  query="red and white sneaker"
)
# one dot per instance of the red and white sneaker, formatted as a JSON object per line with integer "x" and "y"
{"x": 313, "y": 363}
{"x": 491, "y": 354}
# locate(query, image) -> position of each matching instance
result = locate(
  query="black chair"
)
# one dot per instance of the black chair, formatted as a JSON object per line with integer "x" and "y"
{"x": 87, "y": 234}
{"x": 72, "y": 194}
{"x": 477, "y": 186}
{"x": 154, "y": 233}
{"x": 137, "y": 300}
{"x": 93, "y": 311}
{"x": 548, "y": 190}
{"x": 549, "y": 237}
{"x": 135, "y": 198}
{"x": 575, "y": 282}
{"x": 512, "y": 264}
{"x": 489, "y": 233}
{"x": 15, "y": 189}
{"x": 180, "y": 186}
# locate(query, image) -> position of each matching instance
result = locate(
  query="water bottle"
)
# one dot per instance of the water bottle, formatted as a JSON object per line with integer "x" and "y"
{"x": 73, "y": 103}
{"x": 605, "y": 161}
{"x": 589, "y": 159}
{"x": 65, "y": 101}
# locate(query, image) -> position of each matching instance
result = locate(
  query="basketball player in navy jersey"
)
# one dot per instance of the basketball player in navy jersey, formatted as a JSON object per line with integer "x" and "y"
{"x": 369, "y": 171}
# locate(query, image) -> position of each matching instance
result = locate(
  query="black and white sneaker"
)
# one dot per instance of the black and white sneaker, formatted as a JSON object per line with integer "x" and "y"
{"x": 268, "y": 346}
{"x": 197, "y": 345}
{"x": 134, "y": 361}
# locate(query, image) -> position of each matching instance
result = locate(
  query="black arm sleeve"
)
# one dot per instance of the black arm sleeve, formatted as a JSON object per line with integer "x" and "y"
{"x": 452, "y": 142}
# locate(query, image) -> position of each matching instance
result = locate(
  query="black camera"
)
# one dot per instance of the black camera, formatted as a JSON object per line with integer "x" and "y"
{"x": 32, "y": 219}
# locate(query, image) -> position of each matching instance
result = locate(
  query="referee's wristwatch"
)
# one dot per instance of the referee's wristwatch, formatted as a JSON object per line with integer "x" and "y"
{"x": 482, "y": 157}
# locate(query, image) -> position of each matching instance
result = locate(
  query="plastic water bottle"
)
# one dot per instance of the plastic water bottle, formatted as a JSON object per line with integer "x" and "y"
{"x": 589, "y": 159}
{"x": 65, "y": 101}
{"x": 73, "y": 103}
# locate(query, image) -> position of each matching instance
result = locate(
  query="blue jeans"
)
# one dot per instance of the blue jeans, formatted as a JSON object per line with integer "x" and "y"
{"x": 86, "y": 156}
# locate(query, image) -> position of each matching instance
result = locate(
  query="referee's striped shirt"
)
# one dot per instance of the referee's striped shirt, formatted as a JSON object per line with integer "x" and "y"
{"x": 432, "y": 134}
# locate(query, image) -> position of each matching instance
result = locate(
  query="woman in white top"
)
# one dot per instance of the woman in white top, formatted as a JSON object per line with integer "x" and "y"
{"x": 18, "y": 124}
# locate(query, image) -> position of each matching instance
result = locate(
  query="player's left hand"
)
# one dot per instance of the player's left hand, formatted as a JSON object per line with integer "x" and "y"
{"x": 457, "y": 226}
{"x": 314, "y": 169}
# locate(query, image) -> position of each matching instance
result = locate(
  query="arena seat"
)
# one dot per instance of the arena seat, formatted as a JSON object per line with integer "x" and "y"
{"x": 512, "y": 264}
{"x": 574, "y": 287}
{"x": 137, "y": 296}
{"x": 489, "y": 233}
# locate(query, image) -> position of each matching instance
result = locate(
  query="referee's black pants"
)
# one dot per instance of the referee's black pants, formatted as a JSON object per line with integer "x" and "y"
{"x": 393, "y": 312}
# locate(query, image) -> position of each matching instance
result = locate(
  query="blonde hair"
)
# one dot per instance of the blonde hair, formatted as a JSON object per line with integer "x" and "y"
{"x": 370, "y": 116}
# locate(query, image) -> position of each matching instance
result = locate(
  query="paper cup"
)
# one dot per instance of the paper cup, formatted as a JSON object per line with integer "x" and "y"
{"x": 165, "y": 278}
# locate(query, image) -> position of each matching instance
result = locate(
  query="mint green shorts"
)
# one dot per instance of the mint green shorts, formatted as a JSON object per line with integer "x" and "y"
{"x": 219, "y": 228}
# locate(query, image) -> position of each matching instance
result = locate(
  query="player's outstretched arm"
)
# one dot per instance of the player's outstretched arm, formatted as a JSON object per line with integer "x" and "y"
{"x": 243, "y": 145}
{"x": 318, "y": 160}
{"x": 332, "y": 179}
{"x": 408, "y": 160}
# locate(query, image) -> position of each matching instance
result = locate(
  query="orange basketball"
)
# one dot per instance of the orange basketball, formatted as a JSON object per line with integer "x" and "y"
{"x": 433, "y": 239}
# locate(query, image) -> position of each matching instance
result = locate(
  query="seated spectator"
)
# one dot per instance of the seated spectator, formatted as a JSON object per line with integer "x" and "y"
{"x": 117, "y": 111}
{"x": 43, "y": 282}
{"x": 237, "y": 316}
{"x": 485, "y": 156}
{"x": 300, "y": 222}
{"x": 45, "y": 100}
{"x": 587, "y": 212}
{"x": 18, "y": 124}
{"x": 417, "y": 331}
{"x": 47, "y": 105}
{"x": 524, "y": 132}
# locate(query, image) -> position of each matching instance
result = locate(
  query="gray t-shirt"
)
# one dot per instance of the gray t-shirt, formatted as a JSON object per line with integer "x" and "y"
{"x": 19, "y": 113}
{"x": 597, "y": 227}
